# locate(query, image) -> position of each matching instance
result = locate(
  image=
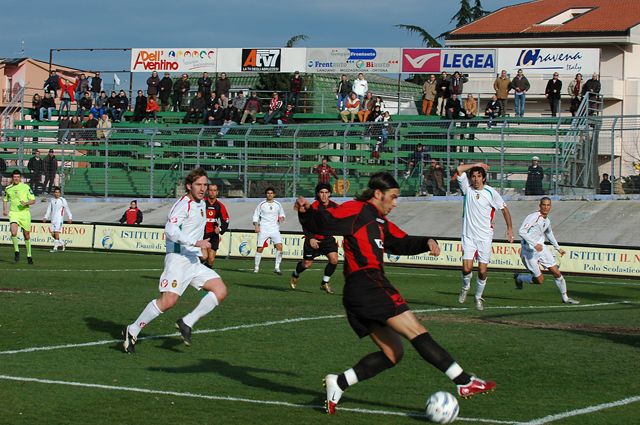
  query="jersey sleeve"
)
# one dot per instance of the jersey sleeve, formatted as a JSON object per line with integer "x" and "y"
{"x": 551, "y": 237}
{"x": 49, "y": 208}
{"x": 224, "y": 218}
{"x": 397, "y": 242}
{"x": 29, "y": 194}
{"x": 496, "y": 200}
{"x": 463, "y": 182}
{"x": 280, "y": 212}
{"x": 173, "y": 228}
{"x": 337, "y": 221}
{"x": 67, "y": 209}
{"x": 256, "y": 214}
{"x": 526, "y": 232}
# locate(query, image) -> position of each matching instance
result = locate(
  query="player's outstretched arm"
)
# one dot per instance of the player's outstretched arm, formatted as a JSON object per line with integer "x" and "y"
{"x": 463, "y": 168}
{"x": 507, "y": 220}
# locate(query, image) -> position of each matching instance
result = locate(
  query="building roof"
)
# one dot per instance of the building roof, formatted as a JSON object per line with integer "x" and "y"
{"x": 528, "y": 20}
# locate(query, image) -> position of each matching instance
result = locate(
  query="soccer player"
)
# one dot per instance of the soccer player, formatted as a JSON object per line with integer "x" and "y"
{"x": 56, "y": 210}
{"x": 182, "y": 267}
{"x": 317, "y": 244}
{"x": 18, "y": 197}
{"x": 535, "y": 253}
{"x": 217, "y": 222}
{"x": 374, "y": 306}
{"x": 480, "y": 204}
{"x": 266, "y": 220}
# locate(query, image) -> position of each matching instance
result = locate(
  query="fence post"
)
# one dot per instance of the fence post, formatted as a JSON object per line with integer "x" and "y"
{"x": 395, "y": 151}
{"x": 502, "y": 149}
{"x": 452, "y": 124}
{"x": 153, "y": 161}
{"x": 106, "y": 167}
{"x": 613, "y": 152}
{"x": 246, "y": 163}
{"x": 345, "y": 170}
{"x": 556, "y": 160}
{"x": 198, "y": 147}
{"x": 296, "y": 162}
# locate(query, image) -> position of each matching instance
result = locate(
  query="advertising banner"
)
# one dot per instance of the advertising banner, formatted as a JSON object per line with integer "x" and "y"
{"x": 130, "y": 238}
{"x": 432, "y": 61}
{"x": 244, "y": 244}
{"x": 261, "y": 60}
{"x": 73, "y": 235}
{"x": 194, "y": 59}
{"x": 353, "y": 60}
{"x": 537, "y": 61}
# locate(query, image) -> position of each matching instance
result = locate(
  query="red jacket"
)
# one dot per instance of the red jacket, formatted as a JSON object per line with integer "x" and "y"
{"x": 68, "y": 88}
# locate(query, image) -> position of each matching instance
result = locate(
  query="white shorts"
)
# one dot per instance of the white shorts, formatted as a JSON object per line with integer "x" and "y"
{"x": 264, "y": 235}
{"x": 181, "y": 271}
{"x": 533, "y": 259}
{"x": 56, "y": 226}
{"x": 476, "y": 249}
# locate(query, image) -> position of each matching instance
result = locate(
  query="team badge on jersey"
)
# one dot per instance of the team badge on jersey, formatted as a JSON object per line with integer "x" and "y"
{"x": 202, "y": 213}
{"x": 174, "y": 284}
{"x": 477, "y": 196}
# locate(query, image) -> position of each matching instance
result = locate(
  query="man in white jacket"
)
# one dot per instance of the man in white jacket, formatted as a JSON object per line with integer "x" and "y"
{"x": 360, "y": 87}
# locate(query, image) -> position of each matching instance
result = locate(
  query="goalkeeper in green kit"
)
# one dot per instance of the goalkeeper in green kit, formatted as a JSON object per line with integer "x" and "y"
{"x": 18, "y": 197}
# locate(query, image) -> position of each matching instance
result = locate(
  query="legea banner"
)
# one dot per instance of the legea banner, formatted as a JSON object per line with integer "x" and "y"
{"x": 353, "y": 60}
{"x": 537, "y": 61}
{"x": 432, "y": 61}
{"x": 191, "y": 59}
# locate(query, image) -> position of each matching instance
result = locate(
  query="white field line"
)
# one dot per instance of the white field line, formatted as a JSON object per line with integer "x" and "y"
{"x": 11, "y": 291}
{"x": 295, "y": 320}
{"x": 227, "y": 398}
{"x": 81, "y": 270}
{"x": 583, "y": 411}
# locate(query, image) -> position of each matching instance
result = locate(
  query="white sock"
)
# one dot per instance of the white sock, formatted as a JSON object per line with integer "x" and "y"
{"x": 278, "y": 259}
{"x": 480, "y": 284}
{"x": 351, "y": 377}
{"x": 326, "y": 279}
{"x": 466, "y": 281}
{"x": 454, "y": 371}
{"x": 562, "y": 287}
{"x": 206, "y": 306}
{"x": 150, "y": 312}
{"x": 525, "y": 278}
{"x": 257, "y": 259}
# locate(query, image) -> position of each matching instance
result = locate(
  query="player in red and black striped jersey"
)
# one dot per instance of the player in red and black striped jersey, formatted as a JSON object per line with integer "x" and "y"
{"x": 374, "y": 306}
{"x": 317, "y": 244}
{"x": 217, "y": 222}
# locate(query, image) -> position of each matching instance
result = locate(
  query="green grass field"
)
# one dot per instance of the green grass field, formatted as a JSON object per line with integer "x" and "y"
{"x": 260, "y": 357}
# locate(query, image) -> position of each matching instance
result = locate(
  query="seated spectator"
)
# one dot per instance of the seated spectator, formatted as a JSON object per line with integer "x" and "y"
{"x": 96, "y": 111}
{"x": 152, "y": 109}
{"x": 470, "y": 107}
{"x": 122, "y": 105}
{"x": 52, "y": 84}
{"x": 101, "y": 102}
{"x": 351, "y": 108}
{"x": 380, "y": 103}
{"x": 140, "y": 108}
{"x": 230, "y": 119}
{"x": 197, "y": 107}
{"x": 493, "y": 110}
{"x": 67, "y": 95}
{"x": 605, "y": 185}
{"x": 85, "y": 104}
{"x": 223, "y": 101}
{"x": 103, "y": 123}
{"x": 36, "y": 105}
{"x": 90, "y": 124}
{"x": 434, "y": 179}
{"x": 251, "y": 108}
{"x": 383, "y": 125}
{"x": 366, "y": 107}
{"x": 275, "y": 106}
{"x": 284, "y": 119}
{"x": 417, "y": 158}
{"x": 453, "y": 107}
{"x": 75, "y": 127}
{"x": 63, "y": 129}
{"x": 239, "y": 101}
{"x": 112, "y": 102}
{"x": 215, "y": 115}
{"x": 132, "y": 216}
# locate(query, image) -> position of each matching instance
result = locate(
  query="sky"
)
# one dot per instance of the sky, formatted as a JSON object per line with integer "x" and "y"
{"x": 198, "y": 23}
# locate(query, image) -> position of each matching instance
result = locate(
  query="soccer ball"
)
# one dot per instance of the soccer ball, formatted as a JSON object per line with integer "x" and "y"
{"x": 442, "y": 408}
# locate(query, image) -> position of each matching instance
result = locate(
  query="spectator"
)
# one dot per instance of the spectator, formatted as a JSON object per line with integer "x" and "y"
{"x": 152, "y": 109}
{"x": 493, "y": 110}
{"x": 605, "y": 185}
{"x": 239, "y": 101}
{"x": 223, "y": 100}
{"x": 418, "y": 157}
{"x": 166, "y": 85}
{"x": 429, "y": 90}
{"x": 351, "y": 108}
{"x": 366, "y": 106}
{"x": 457, "y": 83}
{"x": 284, "y": 119}
{"x": 63, "y": 129}
{"x": 470, "y": 107}
{"x": 453, "y": 107}
{"x": 204, "y": 85}
{"x": 223, "y": 85}
{"x": 47, "y": 106}
{"x": 89, "y": 126}
{"x": 153, "y": 84}
{"x": 197, "y": 108}
{"x": 101, "y": 104}
{"x": 75, "y": 127}
{"x": 434, "y": 179}
{"x": 230, "y": 119}
{"x": 215, "y": 115}
{"x": 212, "y": 99}
{"x": 67, "y": 94}
{"x": 52, "y": 84}
{"x": 592, "y": 87}
{"x": 575, "y": 91}
{"x": 112, "y": 103}
{"x": 535, "y": 175}
{"x": 443, "y": 92}
{"x": 520, "y": 86}
{"x": 360, "y": 87}
{"x": 140, "y": 108}
{"x": 103, "y": 126}
{"x": 324, "y": 172}
{"x": 84, "y": 105}
{"x": 122, "y": 104}
{"x": 81, "y": 88}
{"x": 50, "y": 170}
{"x": 383, "y": 124}
{"x": 132, "y": 216}
{"x": 343, "y": 90}
{"x": 380, "y": 103}
{"x": 36, "y": 105}
{"x": 180, "y": 89}
{"x": 96, "y": 86}
{"x": 251, "y": 108}
{"x": 502, "y": 85}
{"x": 3, "y": 170}
{"x": 552, "y": 93}
{"x": 36, "y": 167}
{"x": 275, "y": 106}
{"x": 295, "y": 87}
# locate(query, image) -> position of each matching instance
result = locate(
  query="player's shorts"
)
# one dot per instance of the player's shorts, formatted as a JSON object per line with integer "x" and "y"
{"x": 22, "y": 218}
{"x": 326, "y": 246}
{"x": 370, "y": 299}
{"x": 181, "y": 271}
{"x": 56, "y": 226}
{"x": 214, "y": 240}
{"x": 274, "y": 235}
{"x": 533, "y": 259}
{"x": 476, "y": 249}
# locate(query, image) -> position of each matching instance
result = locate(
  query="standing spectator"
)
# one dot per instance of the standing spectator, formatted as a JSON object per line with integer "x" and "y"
{"x": 324, "y": 172}
{"x": 417, "y": 158}
{"x": 284, "y": 119}
{"x": 360, "y": 87}
{"x": 443, "y": 92}
{"x": 366, "y": 106}
{"x": 84, "y": 105}
{"x": 121, "y": 106}
{"x": 103, "y": 125}
{"x": 520, "y": 86}
{"x": 295, "y": 87}
{"x": 457, "y": 83}
{"x": 223, "y": 85}
{"x": 351, "y": 108}
{"x": 3, "y": 170}
{"x": 140, "y": 108}
{"x": 52, "y": 84}
{"x": 383, "y": 125}
{"x": 493, "y": 110}
{"x": 275, "y": 106}
{"x": 197, "y": 107}
{"x": 36, "y": 167}
{"x": 434, "y": 179}
{"x": 204, "y": 85}
{"x": 152, "y": 109}
{"x": 605, "y": 185}
{"x": 429, "y": 90}
{"x": 535, "y": 175}
{"x": 592, "y": 87}
{"x": 96, "y": 86}
{"x": 166, "y": 84}
{"x": 36, "y": 105}
{"x": 575, "y": 91}
{"x": 153, "y": 84}
{"x": 453, "y": 107}
{"x": 343, "y": 90}
{"x": 67, "y": 94}
{"x": 50, "y": 171}
{"x": 552, "y": 93}
{"x": 47, "y": 106}
{"x": 180, "y": 89}
{"x": 132, "y": 216}
{"x": 63, "y": 129}
{"x": 81, "y": 88}
{"x": 502, "y": 85}
{"x": 251, "y": 108}
{"x": 230, "y": 119}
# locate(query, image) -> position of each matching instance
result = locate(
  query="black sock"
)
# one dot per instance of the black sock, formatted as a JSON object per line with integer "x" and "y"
{"x": 368, "y": 367}
{"x": 432, "y": 352}
{"x": 330, "y": 269}
{"x": 299, "y": 269}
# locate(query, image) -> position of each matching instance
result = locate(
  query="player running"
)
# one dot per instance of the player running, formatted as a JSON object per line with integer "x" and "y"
{"x": 56, "y": 210}
{"x": 480, "y": 204}
{"x": 182, "y": 267}
{"x": 374, "y": 306}
{"x": 266, "y": 220}
{"x": 535, "y": 253}
{"x": 316, "y": 244}
{"x": 18, "y": 197}
{"x": 217, "y": 223}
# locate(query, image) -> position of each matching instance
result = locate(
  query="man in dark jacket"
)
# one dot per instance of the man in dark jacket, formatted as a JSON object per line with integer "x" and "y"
{"x": 251, "y": 108}
{"x": 50, "y": 171}
{"x": 223, "y": 85}
{"x": 36, "y": 167}
{"x": 493, "y": 110}
{"x": 535, "y": 175}
{"x": 132, "y": 216}
{"x": 196, "y": 109}
{"x": 180, "y": 89}
{"x": 153, "y": 84}
{"x": 140, "y": 108}
{"x": 295, "y": 87}
{"x": 605, "y": 185}
{"x": 552, "y": 93}
{"x": 204, "y": 85}
{"x": 592, "y": 87}
{"x": 85, "y": 104}
{"x": 453, "y": 107}
{"x": 443, "y": 93}
{"x": 96, "y": 85}
{"x": 122, "y": 104}
{"x": 343, "y": 90}
{"x": 166, "y": 84}
{"x": 52, "y": 84}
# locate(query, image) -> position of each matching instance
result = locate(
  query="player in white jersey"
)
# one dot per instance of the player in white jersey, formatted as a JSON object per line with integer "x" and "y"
{"x": 266, "y": 220}
{"x": 535, "y": 253}
{"x": 184, "y": 231}
{"x": 480, "y": 204}
{"x": 56, "y": 210}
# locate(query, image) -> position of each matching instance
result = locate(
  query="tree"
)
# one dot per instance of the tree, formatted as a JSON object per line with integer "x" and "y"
{"x": 427, "y": 39}
{"x": 465, "y": 14}
{"x": 477, "y": 11}
{"x": 295, "y": 39}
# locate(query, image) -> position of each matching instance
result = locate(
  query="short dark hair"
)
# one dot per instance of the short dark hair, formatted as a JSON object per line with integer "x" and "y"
{"x": 56, "y": 188}
{"x": 16, "y": 172}
{"x": 382, "y": 181}
{"x": 321, "y": 186}
{"x": 269, "y": 188}
{"x": 480, "y": 170}
{"x": 545, "y": 198}
{"x": 194, "y": 175}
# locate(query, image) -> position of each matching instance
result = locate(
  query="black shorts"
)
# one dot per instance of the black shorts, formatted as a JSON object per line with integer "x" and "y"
{"x": 370, "y": 299}
{"x": 326, "y": 246}
{"x": 214, "y": 239}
